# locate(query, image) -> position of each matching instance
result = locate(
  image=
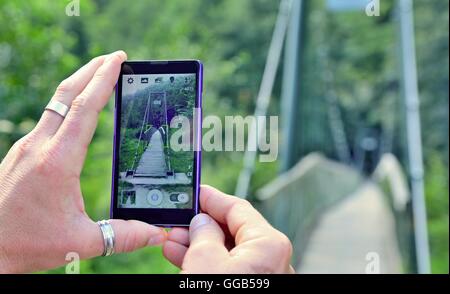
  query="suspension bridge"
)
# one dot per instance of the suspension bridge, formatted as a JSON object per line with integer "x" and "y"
{"x": 339, "y": 220}
{"x": 347, "y": 207}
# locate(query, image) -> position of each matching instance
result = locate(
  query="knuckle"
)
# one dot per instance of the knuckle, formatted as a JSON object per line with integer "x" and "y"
{"x": 101, "y": 73}
{"x": 64, "y": 87}
{"x": 244, "y": 202}
{"x": 79, "y": 103}
{"x": 23, "y": 146}
{"x": 279, "y": 248}
{"x": 46, "y": 163}
{"x": 283, "y": 246}
{"x": 241, "y": 204}
{"x": 79, "y": 112}
{"x": 82, "y": 106}
{"x": 130, "y": 242}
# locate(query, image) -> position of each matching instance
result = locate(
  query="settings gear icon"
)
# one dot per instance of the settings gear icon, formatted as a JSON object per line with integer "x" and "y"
{"x": 130, "y": 80}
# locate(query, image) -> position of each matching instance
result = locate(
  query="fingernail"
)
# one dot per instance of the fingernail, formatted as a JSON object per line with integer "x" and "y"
{"x": 156, "y": 240}
{"x": 200, "y": 220}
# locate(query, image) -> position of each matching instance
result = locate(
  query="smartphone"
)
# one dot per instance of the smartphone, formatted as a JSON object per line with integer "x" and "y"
{"x": 157, "y": 154}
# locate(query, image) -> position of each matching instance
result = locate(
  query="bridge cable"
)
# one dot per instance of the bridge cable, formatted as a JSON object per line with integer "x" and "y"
{"x": 140, "y": 134}
{"x": 264, "y": 95}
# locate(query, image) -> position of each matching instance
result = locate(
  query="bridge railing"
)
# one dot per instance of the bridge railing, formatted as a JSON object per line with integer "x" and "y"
{"x": 294, "y": 201}
{"x": 390, "y": 177}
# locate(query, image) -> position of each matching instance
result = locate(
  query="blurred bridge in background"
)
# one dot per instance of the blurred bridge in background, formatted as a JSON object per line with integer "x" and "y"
{"x": 348, "y": 204}
{"x": 338, "y": 221}
{"x": 354, "y": 236}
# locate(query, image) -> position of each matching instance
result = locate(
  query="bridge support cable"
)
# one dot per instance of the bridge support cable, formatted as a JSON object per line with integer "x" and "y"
{"x": 336, "y": 123}
{"x": 291, "y": 87}
{"x": 140, "y": 134}
{"x": 413, "y": 132}
{"x": 264, "y": 94}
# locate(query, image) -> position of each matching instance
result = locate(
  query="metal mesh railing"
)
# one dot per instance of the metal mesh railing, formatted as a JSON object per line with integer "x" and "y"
{"x": 294, "y": 201}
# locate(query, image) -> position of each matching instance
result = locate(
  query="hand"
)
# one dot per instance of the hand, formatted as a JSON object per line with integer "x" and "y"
{"x": 229, "y": 237}
{"x": 42, "y": 215}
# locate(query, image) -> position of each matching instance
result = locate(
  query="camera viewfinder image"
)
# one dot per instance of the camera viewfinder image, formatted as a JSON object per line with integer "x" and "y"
{"x": 151, "y": 173}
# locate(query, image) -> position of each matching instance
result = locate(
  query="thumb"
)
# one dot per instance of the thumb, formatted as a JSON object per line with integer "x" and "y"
{"x": 206, "y": 236}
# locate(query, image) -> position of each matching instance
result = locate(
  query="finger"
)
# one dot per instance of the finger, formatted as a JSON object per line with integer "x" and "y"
{"x": 179, "y": 235}
{"x": 174, "y": 252}
{"x": 129, "y": 236}
{"x": 176, "y": 245}
{"x": 206, "y": 238}
{"x": 66, "y": 92}
{"x": 244, "y": 222}
{"x": 80, "y": 123}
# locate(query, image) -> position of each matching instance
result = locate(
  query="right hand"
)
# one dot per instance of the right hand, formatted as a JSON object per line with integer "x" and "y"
{"x": 229, "y": 237}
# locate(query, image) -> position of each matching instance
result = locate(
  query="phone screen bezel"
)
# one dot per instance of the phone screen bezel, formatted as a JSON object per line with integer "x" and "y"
{"x": 167, "y": 217}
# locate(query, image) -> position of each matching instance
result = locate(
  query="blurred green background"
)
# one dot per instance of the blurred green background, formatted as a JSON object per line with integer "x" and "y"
{"x": 40, "y": 45}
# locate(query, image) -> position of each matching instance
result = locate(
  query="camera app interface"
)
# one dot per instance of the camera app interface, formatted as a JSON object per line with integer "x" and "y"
{"x": 151, "y": 173}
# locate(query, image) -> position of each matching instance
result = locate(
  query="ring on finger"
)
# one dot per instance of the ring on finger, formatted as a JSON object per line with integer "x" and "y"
{"x": 108, "y": 237}
{"x": 58, "y": 107}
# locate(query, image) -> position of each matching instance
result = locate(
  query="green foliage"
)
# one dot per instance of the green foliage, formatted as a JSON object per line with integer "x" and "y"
{"x": 144, "y": 261}
{"x": 436, "y": 183}
{"x": 130, "y": 149}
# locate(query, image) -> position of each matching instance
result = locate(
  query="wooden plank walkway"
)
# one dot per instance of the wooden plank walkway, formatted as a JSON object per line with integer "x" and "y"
{"x": 153, "y": 160}
{"x": 353, "y": 234}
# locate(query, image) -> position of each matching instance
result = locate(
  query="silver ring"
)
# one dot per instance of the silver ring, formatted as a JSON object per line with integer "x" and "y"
{"x": 108, "y": 237}
{"x": 58, "y": 107}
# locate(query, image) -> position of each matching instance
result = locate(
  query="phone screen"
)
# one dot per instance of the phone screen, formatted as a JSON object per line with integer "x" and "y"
{"x": 152, "y": 172}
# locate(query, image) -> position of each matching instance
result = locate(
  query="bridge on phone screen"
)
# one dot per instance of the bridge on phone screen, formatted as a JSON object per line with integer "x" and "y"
{"x": 152, "y": 166}
{"x": 153, "y": 161}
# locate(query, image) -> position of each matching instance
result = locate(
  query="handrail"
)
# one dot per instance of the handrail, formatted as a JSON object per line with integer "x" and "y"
{"x": 294, "y": 201}
{"x": 390, "y": 177}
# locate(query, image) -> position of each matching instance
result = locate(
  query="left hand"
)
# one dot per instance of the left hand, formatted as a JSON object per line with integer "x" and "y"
{"x": 42, "y": 214}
